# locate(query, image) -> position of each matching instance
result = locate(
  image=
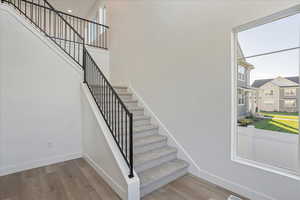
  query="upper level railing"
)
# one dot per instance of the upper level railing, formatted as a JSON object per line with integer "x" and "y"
{"x": 53, "y": 25}
{"x": 95, "y": 34}
{"x": 64, "y": 33}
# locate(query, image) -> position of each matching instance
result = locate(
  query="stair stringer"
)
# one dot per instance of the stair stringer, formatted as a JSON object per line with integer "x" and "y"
{"x": 102, "y": 152}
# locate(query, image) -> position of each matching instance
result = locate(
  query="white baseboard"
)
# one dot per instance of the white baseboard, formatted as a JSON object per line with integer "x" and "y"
{"x": 37, "y": 163}
{"x": 108, "y": 179}
{"x": 194, "y": 168}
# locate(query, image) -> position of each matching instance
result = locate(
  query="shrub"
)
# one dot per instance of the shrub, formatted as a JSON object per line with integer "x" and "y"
{"x": 245, "y": 122}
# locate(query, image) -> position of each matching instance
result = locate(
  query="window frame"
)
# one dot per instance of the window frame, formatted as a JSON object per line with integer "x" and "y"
{"x": 292, "y": 105}
{"x": 234, "y": 85}
{"x": 242, "y": 97}
{"x": 289, "y": 94}
{"x": 241, "y": 75}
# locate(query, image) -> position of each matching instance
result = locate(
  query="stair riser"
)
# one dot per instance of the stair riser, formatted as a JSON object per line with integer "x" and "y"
{"x": 158, "y": 184}
{"x": 156, "y": 162}
{"x": 149, "y": 147}
{"x": 126, "y": 97}
{"x": 142, "y": 122}
{"x": 131, "y": 104}
{"x": 134, "y": 112}
{"x": 127, "y": 104}
{"x": 145, "y": 133}
{"x": 139, "y": 123}
{"x": 118, "y": 90}
{"x": 122, "y": 96}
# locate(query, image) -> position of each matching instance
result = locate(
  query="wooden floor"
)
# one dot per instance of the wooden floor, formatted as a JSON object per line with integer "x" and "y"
{"x": 77, "y": 180}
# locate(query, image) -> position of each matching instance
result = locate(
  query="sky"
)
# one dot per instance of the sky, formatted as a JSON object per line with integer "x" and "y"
{"x": 281, "y": 34}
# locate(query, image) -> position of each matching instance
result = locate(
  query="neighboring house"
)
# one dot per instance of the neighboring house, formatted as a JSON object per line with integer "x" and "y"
{"x": 244, "y": 91}
{"x": 277, "y": 95}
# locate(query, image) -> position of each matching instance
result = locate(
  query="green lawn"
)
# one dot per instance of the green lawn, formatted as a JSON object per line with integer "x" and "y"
{"x": 281, "y": 115}
{"x": 286, "y": 126}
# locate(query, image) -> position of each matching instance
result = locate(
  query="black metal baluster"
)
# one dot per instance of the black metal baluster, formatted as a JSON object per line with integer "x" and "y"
{"x": 126, "y": 134}
{"x": 131, "y": 145}
{"x": 122, "y": 128}
{"x": 119, "y": 122}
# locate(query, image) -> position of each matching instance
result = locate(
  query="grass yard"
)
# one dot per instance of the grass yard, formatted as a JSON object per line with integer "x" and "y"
{"x": 281, "y": 115}
{"x": 279, "y": 122}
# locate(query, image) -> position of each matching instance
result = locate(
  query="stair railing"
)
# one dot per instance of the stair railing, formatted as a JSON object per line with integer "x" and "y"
{"x": 55, "y": 26}
{"x": 95, "y": 34}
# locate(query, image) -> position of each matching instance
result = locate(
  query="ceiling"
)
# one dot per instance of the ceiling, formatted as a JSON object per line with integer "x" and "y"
{"x": 79, "y": 7}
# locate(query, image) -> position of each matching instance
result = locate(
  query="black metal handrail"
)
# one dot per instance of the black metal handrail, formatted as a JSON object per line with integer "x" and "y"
{"x": 117, "y": 117}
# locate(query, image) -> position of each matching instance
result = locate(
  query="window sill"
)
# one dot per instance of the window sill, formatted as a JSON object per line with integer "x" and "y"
{"x": 269, "y": 168}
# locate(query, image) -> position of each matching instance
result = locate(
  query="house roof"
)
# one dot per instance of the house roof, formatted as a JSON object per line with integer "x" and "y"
{"x": 241, "y": 58}
{"x": 260, "y": 82}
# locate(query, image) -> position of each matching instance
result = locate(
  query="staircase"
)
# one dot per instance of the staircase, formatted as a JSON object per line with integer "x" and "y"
{"x": 155, "y": 162}
{"x": 144, "y": 150}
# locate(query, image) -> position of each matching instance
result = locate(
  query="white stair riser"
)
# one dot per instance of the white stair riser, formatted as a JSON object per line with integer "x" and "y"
{"x": 134, "y": 112}
{"x": 118, "y": 90}
{"x": 142, "y": 122}
{"x": 126, "y": 97}
{"x": 149, "y": 147}
{"x": 131, "y": 104}
{"x": 146, "y": 133}
{"x": 156, "y": 162}
{"x": 156, "y": 185}
{"x": 127, "y": 104}
{"x": 138, "y": 123}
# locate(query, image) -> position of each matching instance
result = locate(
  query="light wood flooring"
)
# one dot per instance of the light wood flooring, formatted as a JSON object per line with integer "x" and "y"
{"x": 77, "y": 180}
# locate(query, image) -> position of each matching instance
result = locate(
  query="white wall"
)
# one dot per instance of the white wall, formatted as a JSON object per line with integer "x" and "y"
{"x": 40, "y": 98}
{"x": 177, "y": 56}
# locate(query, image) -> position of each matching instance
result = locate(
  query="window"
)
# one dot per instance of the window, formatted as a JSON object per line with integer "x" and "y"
{"x": 241, "y": 73}
{"x": 264, "y": 113}
{"x": 290, "y": 103}
{"x": 241, "y": 97}
{"x": 290, "y": 92}
{"x": 102, "y": 15}
{"x": 94, "y": 31}
{"x": 269, "y": 102}
{"x": 269, "y": 92}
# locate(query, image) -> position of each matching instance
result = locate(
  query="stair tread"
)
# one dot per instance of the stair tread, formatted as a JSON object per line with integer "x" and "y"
{"x": 148, "y": 140}
{"x": 124, "y": 93}
{"x": 142, "y": 128}
{"x": 140, "y": 117}
{"x": 120, "y": 87}
{"x": 142, "y": 158}
{"x": 156, "y": 173}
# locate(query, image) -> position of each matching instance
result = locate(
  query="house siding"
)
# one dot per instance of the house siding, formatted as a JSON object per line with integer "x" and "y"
{"x": 243, "y": 110}
{"x": 268, "y": 102}
{"x": 283, "y": 97}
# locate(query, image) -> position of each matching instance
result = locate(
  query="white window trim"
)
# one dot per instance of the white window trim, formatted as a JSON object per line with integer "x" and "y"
{"x": 234, "y": 157}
